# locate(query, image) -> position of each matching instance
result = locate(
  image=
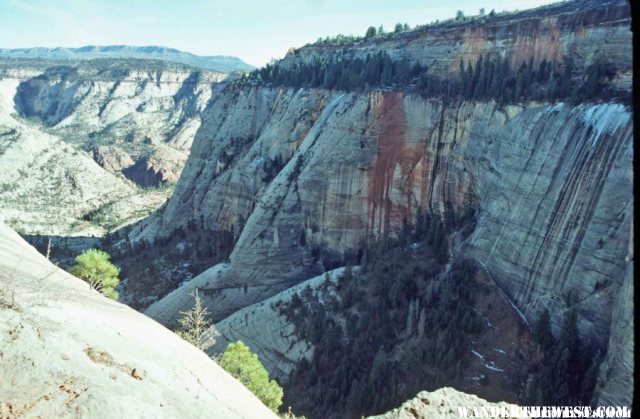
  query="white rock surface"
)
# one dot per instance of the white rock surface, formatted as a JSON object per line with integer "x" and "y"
{"x": 47, "y": 185}
{"x": 67, "y": 351}
{"x": 268, "y": 333}
{"x": 440, "y": 404}
{"x": 135, "y": 119}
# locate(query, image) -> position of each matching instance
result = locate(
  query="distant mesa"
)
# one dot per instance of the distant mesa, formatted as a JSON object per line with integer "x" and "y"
{"x": 221, "y": 63}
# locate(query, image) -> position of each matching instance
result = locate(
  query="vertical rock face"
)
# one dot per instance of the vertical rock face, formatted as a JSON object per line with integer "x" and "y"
{"x": 549, "y": 180}
{"x": 615, "y": 383}
{"x": 304, "y": 177}
{"x": 581, "y": 30}
{"x": 560, "y": 223}
{"x": 552, "y": 183}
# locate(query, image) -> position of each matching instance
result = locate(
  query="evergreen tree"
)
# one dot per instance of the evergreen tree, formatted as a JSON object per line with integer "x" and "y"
{"x": 94, "y": 266}
{"x": 245, "y": 366}
{"x": 542, "y": 331}
{"x": 371, "y": 32}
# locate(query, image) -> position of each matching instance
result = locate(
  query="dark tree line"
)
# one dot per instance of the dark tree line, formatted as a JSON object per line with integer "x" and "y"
{"x": 157, "y": 267}
{"x": 377, "y": 70}
{"x": 569, "y": 369}
{"x": 490, "y": 77}
{"x": 365, "y": 358}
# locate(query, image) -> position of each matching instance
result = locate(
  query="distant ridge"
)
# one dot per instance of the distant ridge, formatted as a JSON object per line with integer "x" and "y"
{"x": 222, "y": 63}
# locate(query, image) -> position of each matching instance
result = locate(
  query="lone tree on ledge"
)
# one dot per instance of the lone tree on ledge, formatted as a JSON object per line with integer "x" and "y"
{"x": 245, "y": 366}
{"x": 94, "y": 267}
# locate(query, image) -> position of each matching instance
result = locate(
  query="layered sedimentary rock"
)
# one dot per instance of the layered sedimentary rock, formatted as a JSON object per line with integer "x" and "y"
{"x": 47, "y": 185}
{"x": 267, "y": 331}
{"x": 552, "y": 184}
{"x": 583, "y": 31}
{"x": 67, "y": 351}
{"x": 145, "y": 108}
{"x": 616, "y": 374}
{"x": 303, "y": 177}
{"x": 136, "y": 119}
{"x": 369, "y": 161}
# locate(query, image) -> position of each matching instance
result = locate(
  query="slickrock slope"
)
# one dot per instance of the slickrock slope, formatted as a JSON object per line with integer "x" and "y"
{"x": 440, "y": 404}
{"x": 267, "y": 332}
{"x": 67, "y": 351}
{"x": 303, "y": 176}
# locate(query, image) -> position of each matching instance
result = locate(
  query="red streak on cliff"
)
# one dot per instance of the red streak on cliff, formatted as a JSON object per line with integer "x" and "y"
{"x": 393, "y": 154}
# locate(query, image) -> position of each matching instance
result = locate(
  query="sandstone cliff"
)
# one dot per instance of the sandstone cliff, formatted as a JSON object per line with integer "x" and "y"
{"x": 136, "y": 119}
{"x": 583, "y": 30}
{"x": 302, "y": 177}
{"x": 67, "y": 351}
{"x": 368, "y": 161}
{"x": 148, "y": 109}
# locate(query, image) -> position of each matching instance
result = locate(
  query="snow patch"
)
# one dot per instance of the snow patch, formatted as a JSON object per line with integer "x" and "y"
{"x": 518, "y": 311}
{"x": 491, "y": 366}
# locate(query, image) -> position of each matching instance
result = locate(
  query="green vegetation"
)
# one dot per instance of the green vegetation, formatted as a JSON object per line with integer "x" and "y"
{"x": 195, "y": 326}
{"x": 245, "y": 366}
{"x": 372, "y": 32}
{"x": 160, "y": 265}
{"x": 491, "y": 77}
{"x": 568, "y": 370}
{"x": 398, "y": 325}
{"x": 94, "y": 266}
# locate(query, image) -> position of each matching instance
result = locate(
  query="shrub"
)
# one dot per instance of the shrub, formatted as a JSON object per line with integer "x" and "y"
{"x": 245, "y": 366}
{"x": 94, "y": 266}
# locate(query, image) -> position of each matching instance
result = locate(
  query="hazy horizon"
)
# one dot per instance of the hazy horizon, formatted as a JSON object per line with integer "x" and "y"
{"x": 253, "y": 32}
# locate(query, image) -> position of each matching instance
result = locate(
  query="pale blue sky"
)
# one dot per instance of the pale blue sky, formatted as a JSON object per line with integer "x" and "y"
{"x": 254, "y": 30}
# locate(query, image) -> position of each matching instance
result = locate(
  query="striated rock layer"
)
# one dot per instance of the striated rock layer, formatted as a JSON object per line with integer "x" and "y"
{"x": 67, "y": 351}
{"x": 303, "y": 177}
{"x": 46, "y": 184}
{"x": 582, "y": 30}
{"x": 149, "y": 110}
{"x": 136, "y": 119}
{"x": 546, "y": 178}
{"x": 552, "y": 184}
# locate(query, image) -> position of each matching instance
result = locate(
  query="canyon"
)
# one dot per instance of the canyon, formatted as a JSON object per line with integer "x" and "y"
{"x": 102, "y": 141}
{"x": 260, "y": 195}
{"x": 552, "y": 182}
